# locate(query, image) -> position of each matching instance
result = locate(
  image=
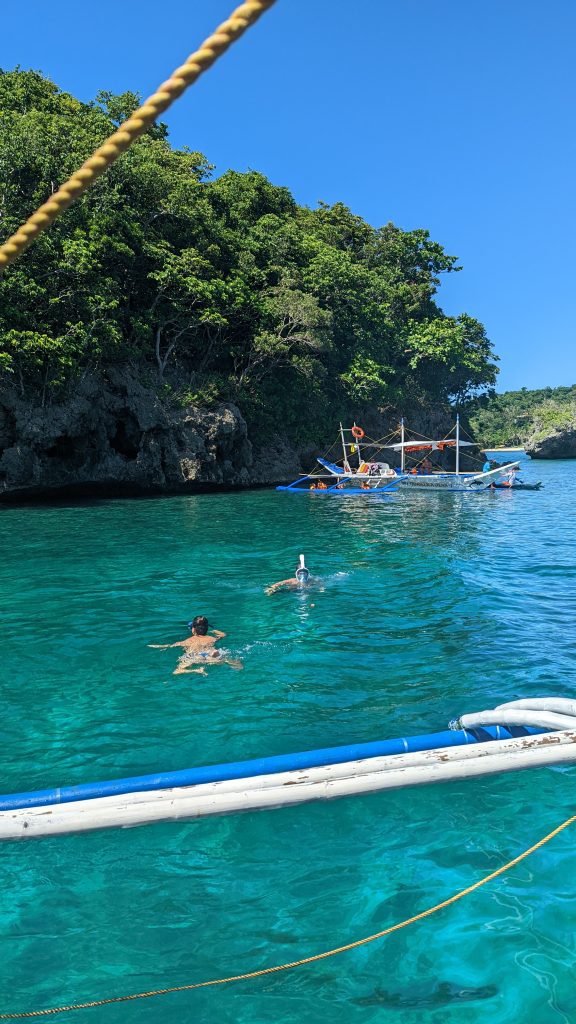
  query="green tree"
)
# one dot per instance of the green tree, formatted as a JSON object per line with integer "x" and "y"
{"x": 225, "y": 287}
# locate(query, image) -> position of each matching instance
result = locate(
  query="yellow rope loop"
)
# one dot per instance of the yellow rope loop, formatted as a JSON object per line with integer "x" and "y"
{"x": 25, "y": 1014}
{"x": 207, "y": 54}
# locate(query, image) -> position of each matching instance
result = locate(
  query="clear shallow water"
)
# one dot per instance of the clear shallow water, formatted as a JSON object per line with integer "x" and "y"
{"x": 431, "y": 605}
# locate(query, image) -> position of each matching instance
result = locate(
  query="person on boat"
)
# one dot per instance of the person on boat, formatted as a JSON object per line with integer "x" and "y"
{"x": 489, "y": 465}
{"x": 427, "y": 466}
{"x": 200, "y": 649}
{"x": 300, "y": 578}
{"x": 510, "y": 477}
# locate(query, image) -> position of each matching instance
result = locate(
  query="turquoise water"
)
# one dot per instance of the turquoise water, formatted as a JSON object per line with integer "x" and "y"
{"x": 431, "y": 605}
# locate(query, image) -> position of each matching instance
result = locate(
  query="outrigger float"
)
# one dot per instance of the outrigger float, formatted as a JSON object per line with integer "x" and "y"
{"x": 518, "y": 735}
{"x": 376, "y": 477}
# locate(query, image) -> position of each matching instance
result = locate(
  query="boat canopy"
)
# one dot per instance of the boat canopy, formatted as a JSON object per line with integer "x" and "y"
{"x": 428, "y": 446}
{"x": 336, "y": 470}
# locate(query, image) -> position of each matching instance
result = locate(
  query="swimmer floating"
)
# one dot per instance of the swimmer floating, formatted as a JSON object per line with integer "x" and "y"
{"x": 200, "y": 649}
{"x": 300, "y": 578}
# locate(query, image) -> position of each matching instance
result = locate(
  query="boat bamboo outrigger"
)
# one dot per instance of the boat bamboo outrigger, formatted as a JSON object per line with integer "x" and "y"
{"x": 521, "y": 734}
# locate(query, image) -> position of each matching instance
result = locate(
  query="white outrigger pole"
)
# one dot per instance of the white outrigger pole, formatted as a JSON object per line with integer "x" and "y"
{"x": 402, "y": 450}
{"x": 529, "y": 733}
{"x": 457, "y": 443}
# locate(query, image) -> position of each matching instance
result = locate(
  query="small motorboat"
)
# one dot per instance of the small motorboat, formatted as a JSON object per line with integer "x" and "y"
{"x": 519, "y": 485}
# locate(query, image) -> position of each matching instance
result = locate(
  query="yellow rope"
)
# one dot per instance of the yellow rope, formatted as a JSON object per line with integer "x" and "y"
{"x": 198, "y": 62}
{"x": 306, "y": 960}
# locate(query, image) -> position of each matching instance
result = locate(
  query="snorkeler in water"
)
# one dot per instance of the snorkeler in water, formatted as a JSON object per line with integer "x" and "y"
{"x": 200, "y": 649}
{"x": 300, "y": 578}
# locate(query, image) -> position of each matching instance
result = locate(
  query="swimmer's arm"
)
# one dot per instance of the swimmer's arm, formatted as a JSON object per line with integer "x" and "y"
{"x": 164, "y": 647}
{"x": 218, "y": 634}
{"x": 282, "y": 583}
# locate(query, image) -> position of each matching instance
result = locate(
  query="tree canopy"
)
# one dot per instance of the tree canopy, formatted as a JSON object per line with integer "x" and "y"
{"x": 219, "y": 288}
{"x": 517, "y": 417}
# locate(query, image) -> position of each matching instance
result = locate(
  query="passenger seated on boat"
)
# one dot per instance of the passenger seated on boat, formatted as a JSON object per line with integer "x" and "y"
{"x": 322, "y": 486}
{"x": 200, "y": 649}
{"x": 427, "y": 466}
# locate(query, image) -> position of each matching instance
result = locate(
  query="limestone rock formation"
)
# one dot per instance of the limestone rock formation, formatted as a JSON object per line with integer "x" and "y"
{"x": 560, "y": 443}
{"x": 116, "y": 436}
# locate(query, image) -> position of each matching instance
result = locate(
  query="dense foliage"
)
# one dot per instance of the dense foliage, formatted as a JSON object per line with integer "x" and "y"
{"x": 216, "y": 288}
{"x": 516, "y": 417}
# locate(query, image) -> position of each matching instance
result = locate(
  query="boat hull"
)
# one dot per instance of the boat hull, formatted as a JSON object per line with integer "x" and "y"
{"x": 443, "y": 482}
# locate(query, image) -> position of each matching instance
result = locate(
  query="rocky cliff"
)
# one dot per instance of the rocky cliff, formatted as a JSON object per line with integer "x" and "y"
{"x": 542, "y": 421}
{"x": 114, "y": 435}
{"x": 559, "y": 443}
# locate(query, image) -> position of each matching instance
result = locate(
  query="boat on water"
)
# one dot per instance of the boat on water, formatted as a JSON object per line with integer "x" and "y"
{"x": 358, "y": 473}
{"x": 423, "y": 476}
{"x": 518, "y": 485}
{"x": 360, "y": 470}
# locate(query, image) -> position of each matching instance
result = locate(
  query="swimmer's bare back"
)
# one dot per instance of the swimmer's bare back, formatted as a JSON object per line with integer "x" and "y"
{"x": 199, "y": 650}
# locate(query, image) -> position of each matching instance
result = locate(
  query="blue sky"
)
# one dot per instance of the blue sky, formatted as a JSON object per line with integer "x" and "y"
{"x": 453, "y": 115}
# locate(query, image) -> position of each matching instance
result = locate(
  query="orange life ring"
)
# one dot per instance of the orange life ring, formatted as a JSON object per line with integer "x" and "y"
{"x": 358, "y": 433}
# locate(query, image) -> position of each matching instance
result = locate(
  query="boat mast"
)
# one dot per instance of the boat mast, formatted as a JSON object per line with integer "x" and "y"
{"x": 457, "y": 443}
{"x": 343, "y": 446}
{"x": 358, "y": 449}
{"x": 402, "y": 455}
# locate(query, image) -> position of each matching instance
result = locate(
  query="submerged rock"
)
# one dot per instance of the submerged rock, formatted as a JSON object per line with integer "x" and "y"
{"x": 426, "y": 996}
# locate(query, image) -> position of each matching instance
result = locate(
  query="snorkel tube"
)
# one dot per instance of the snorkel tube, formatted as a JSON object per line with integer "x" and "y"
{"x": 302, "y": 573}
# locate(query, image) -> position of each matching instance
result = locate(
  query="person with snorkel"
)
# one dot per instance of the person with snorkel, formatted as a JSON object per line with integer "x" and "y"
{"x": 300, "y": 578}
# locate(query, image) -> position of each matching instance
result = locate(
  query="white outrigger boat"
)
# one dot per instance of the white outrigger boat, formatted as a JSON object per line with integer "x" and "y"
{"x": 425, "y": 478}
